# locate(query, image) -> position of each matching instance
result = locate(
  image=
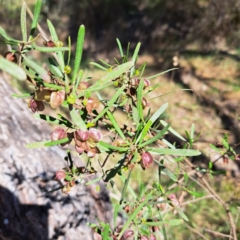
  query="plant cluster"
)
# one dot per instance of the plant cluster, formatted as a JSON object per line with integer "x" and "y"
{"x": 91, "y": 125}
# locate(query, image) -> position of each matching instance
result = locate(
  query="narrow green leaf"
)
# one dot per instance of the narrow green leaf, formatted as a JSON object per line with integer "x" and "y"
{"x": 173, "y": 222}
{"x": 54, "y": 143}
{"x": 36, "y": 144}
{"x": 79, "y": 78}
{"x": 50, "y": 49}
{"x": 54, "y": 120}
{"x": 38, "y": 69}
{"x": 134, "y": 58}
{"x": 55, "y": 39}
{"x": 140, "y": 98}
{"x": 135, "y": 114}
{"x": 69, "y": 50}
{"x": 93, "y": 181}
{"x": 77, "y": 120}
{"x": 115, "y": 214}
{"x": 144, "y": 132}
{"x": 182, "y": 214}
{"x": 8, "y": 38}
{"x": 12, "y": 69}
{"x": 115, "y": 73}
{"x": 159, "y": 74}
{"x": 120, "y": 47}
{"x": 215, "y": 148}
{"x": 192, "y": 131}
{"x": 24, "y": 22}
{"x": 79, "y": 50}
{"x": 53, "y": 66}
{"x": 52, "y": 86}
{"x": 105, "y": 63}
{"x": 106, "y": 147}
{"x": 99, "y": 66}
{"x": 158, "y": 113}
{"x": 156, "y": 137}
{"x": 105, "y": 234}
{"x": 134, "y": 215}
{"x": 167, "y": 171}
{"x": 172, "y": 130}
{"x": 36, "y": 15}
{"x": 130, "y": 189}
{"x": 174, "y": 152}
{"x": 115, "y": 125}
{"x": 126, "y": 182}
{"x": 24, "y": 95}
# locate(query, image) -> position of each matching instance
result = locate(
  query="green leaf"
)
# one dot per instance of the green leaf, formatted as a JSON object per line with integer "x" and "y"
{"x": 140, "y": 98}
{"x": 12, "y": 69}
{"x": 105, "y": 234}
{"x": 107, "y": 80}
{"x": 38, "y": 69}
{"x": 9, "y": 39}
{"x": 174, "y": 152}
{"x": 77, "y": 120}
{"x": 79, "y": 50}
{"x": 106, "y": 147}
{"x": 172, "y": 130}
{"x": 53, "y": 66}
{"x": 115, "y": 214}
{"x": 36, "y": 144}
{"x": 167, "y": 171}
{"x": 173, "y": 222}
{"x": 53, "y": 143}
{"x": 134, "y": 58}
{"x": 50, "y": 49}
{"x": 99, "y": 66}
{"x": 129, "y": 187}
{"x": 156, "y": 137}
{"x": 144, "y": 132}
{"x": 93, "y": 181}
{"x": 23, "y": 22}
{"x": 24, "y": 95}
{"x": 115, "y": 125}
{"x": 134, "y": 215}
{"x": 182, "y": 214}
{"x": 54, "y": 120}
{"x": 158, "y": 113}
{"x": 126, "y": 182}
{"x": 120, "y": 47}
{"x": 135, "y": 114}
{"x": 36, "y": 15}
{"x": 159, "y": 74}
{"x": 55, "y": 39}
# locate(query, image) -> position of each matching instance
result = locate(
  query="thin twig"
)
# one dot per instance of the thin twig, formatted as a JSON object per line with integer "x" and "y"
{"x": 217, "y": 234}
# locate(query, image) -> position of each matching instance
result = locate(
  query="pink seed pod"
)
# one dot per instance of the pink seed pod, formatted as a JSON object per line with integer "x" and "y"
{"x": 152, "y": 237}
{"x": 127, "y": 234}
{"x": 57, "y": 98}
{"x": 94, "y": 135}
{"x": 145, "y": 103}
{"x": 92, "y": 103}
{"x": 82, "y": 135}
{"x": 174, "y": 201}
{"x": 58, "y": 134}
{"x": 10, "y": 56}
{"x": 146, "y": 83}
{"x": 147, "y": 160}
{"x": 36, "y": 106}
{"x": 83, "y": 85}
{"x": 60, "y": 175}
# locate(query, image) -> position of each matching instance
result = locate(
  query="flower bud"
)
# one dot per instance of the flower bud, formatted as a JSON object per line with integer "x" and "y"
{"x": 10, "y": 56}
{"x": 49, "y": 43}
{"x": 147, "y": 160}
{"x": 67, "y": 69}
{"x": 127, "y": 234}
{"x": 83, "y": 85}
{"x": 58, "y": 43}
{"x": 36, "y": 106}
{"x": 94, "y": 135}
{"x": 57, "y": 98}
{"x": 71, "y": 99}
{"x": 58, "y": 134}
{"x": 60, "y": 175}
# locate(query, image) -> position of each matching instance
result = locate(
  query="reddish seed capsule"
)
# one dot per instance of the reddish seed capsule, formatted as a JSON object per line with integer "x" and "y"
{"x": 152, "y": 237}
{"x": 60, "y": 175}
{"x": 147, "y": 160}
{"x": 10, "y": 56}
{"x": 127, "y": 234}
{"x": 57, "y": 98}
{"x": 36, "y": 106}
{"x": 144, "y": 238}
{"x": 94, "y": 135}
{"x": 58, "y": 134}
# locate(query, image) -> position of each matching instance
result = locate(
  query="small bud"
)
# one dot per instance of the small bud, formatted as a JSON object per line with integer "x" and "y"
{"x": 127, "y": 209}
{"x": 58, "y": 134}
{"x": 60, "y": 175}
{"x": 58, "y": 43}
{"x": 147, "y": 160}
{"x": 127, "y": 234}
{"x": 145, "y": 103}
{"x": 94, "y": 135}
{"x": 83, "y": 85}
{"x": 10, "y": 56}
{"x": 36, "y": 106}
{"x": 146, "y": 83}
{"x": 67, "y": 69}
{"x": 49, "y": 43}
{"x": 71, "y": 99}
